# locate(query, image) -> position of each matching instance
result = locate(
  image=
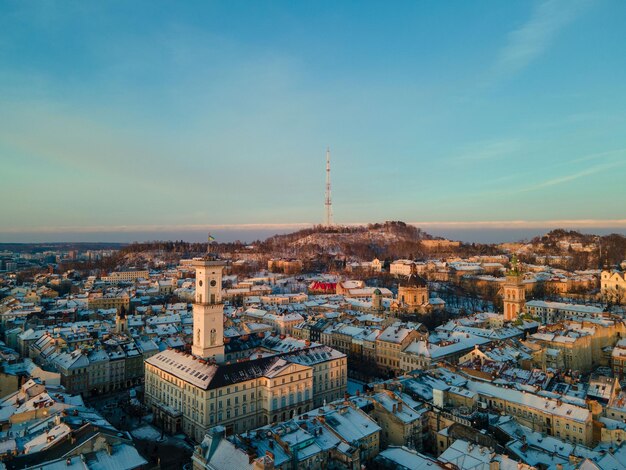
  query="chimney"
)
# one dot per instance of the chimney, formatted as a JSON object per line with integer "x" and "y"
{"x": 264, "y": 463}
{"x": 394, "y": 408}
{"x": 399, "y": 407}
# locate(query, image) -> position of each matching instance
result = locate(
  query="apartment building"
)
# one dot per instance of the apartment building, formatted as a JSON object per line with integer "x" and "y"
{"x": 553, "y": 312}
{"x": 552, "y": 416}
{"x": 392, "y": 341}
{"x": 126, "y": 276}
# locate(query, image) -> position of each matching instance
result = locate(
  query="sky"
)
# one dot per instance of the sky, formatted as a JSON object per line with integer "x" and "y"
{"x": 149, "y": 119}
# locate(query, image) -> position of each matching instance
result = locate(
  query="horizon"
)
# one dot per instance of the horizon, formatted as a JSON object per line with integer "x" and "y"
{"x": 475, "y": 232}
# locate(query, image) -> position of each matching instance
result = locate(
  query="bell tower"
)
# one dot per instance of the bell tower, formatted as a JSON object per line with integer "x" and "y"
{"x": 208, "y": 309}
{"x": 121, "y": 322}
{"x": 514, "y": 292}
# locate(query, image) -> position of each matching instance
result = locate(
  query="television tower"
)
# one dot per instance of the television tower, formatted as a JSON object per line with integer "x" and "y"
{"x": 328, "y": 203}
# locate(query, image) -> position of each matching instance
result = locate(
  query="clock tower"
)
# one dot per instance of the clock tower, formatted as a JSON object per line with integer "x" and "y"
{"x": 514, "y": 292}
{"x": 208, "y": 309}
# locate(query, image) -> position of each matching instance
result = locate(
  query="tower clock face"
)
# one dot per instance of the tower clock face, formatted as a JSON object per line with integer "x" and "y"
{"x": 213, "y": 282}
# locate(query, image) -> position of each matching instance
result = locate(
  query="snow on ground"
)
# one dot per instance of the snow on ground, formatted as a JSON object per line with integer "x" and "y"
{"x": 147, "y": 432}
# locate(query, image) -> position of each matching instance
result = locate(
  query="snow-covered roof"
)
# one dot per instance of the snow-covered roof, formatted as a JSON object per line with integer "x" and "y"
{"x": 542, "y": 404}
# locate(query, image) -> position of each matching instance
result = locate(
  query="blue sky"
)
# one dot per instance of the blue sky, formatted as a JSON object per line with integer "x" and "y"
{"x": 150, "y": 116}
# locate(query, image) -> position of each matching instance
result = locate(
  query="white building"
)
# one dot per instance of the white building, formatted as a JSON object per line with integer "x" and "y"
{"x": 613, "y": 286}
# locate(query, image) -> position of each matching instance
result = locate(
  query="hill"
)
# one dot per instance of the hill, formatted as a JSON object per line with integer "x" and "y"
{"x": 578, "y": 251}
{"x": 393, "y": 239}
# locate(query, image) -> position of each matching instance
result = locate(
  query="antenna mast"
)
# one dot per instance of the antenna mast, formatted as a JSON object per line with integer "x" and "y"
{"x": 328, "y": 203}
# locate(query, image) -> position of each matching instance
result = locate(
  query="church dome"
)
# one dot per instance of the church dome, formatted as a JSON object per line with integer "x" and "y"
{"x": 414, "y": 280}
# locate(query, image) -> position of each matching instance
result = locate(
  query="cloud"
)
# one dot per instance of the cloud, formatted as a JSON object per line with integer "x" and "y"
{"x": 528, "y": 42}
{"x": 571, "y": 177}
{"x": 156, "y": 228}
{"x": 519, "y": 224}
{"x": 601, "y": 155}
{"x": 281, "y": 227}
{"x": 490, "y": 149}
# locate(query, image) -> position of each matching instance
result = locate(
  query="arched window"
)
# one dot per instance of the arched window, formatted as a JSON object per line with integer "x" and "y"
{"x": 213, "y": 333}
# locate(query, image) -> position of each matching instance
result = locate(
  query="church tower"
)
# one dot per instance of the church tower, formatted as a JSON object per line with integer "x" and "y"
{"x": 514, "y": 292}
{"x": 208, "y": 309}
{"x": 377, "y": 300}
{"x": 121, "y": 322}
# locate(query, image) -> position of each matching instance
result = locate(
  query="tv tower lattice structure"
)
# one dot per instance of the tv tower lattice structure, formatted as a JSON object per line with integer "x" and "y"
{"x": 328, "y": 202}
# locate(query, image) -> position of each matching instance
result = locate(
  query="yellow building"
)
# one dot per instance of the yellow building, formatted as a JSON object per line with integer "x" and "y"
{"x": 577, "y": 345}
{"x": 191, "y": 393}
{"x": 514, "y": 292}
{"x": 400, "y": 423}
{"x": 287, "y": 266}
{"x": 125, "y": 276}
{"x": 390, "y": 344}
{"x": 413, "y": 293}
{"x": 563, "y": 420}
{"x": 562, "y": 350}
{"x": 117, "y": 300}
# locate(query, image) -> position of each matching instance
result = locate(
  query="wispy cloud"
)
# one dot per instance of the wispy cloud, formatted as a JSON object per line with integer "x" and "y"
{"x": 528, "y": 42}
{"x": 621, "y": 153}
{"x": 573, "y": 176}
{"x": 489, "y": 149}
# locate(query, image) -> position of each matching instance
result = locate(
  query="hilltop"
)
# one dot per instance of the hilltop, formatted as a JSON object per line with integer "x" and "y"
{"x": 388, "y": 240}
{"x": 570, "y": 249}
{"x": 392, "y": 239}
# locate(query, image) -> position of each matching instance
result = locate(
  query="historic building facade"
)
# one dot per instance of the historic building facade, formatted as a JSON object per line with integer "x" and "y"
{"x": 191, "y": 393}
{"x": 514, "y": 292}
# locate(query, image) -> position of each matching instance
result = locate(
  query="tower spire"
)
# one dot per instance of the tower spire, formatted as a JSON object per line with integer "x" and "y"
{"x": 328, "y": 202}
